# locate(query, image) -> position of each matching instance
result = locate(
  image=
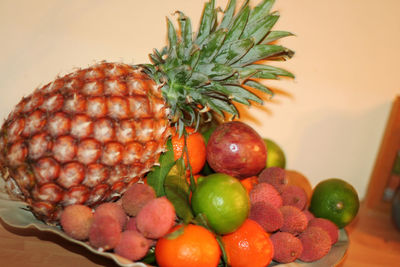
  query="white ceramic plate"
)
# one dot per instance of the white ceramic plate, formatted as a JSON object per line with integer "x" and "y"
{"x": 16, "y": 214}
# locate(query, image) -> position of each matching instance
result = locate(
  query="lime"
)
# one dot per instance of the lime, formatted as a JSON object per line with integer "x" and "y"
{"x": 223, "y": 200}
{"x": 335, "y": 200}
{"x": 275, "y": 155}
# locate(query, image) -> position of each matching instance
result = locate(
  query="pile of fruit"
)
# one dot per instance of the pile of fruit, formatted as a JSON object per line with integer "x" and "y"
{"x": 115, "y": 153}
{"x": 263, "y": 205}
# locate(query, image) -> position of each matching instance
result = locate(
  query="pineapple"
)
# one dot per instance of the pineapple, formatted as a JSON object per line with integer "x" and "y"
{"x": 85, "y": 137}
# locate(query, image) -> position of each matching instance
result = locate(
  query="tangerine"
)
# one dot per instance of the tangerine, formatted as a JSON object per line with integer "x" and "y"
{"x": 188, "y": 245}
{"x": 196, "y": 148}
{"x": 249, "y": 182}
{"x": 248, "y": 246}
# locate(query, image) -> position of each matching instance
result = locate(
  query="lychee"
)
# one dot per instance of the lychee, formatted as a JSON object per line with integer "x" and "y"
{"x": 316, "y": 244}
{"x": 131, "y": 224}
{"x": 76, "y": 220}
{"x": 275, "y": 176}
{"x": 293, "y": 195}
{"x": 328, "y": 226}
{"x": 136, "y": 197}
{"x": 156, "y": 218}
{"x": 308, "y": 214}
{"x": 287, "y": 247}
{"x": 132, "y": 245}
{"x": 105, "y": 232}
{"x": 267, "y": 193}
{"x": 269, "y": 217}
{"x": 294, "y": 220}
{"x": 114, "y": 210}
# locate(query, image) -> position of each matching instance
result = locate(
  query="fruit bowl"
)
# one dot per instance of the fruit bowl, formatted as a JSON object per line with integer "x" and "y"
{"x": 16, "y": 214}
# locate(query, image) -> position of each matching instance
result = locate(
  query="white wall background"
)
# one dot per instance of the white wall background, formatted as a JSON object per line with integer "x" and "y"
{"x": 329, "y": 120}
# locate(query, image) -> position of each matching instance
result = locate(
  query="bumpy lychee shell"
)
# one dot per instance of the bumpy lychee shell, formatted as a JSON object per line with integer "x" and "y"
{"x": 269, "y": 217}
{"x": 316, "y": 244}
{"x": 136, "y": 197}
{"x": 294, "y": 220}
{"x": 114, "y": 210}
{"x": 83, "y": 138}
{"x": 132, "y": 245}
{"x": 328, "y": 226}
{"x": 275, "y": 176}
{"x": 293, "y": 195}
{"x": 287, "y": 247}
{"x": 76, "y": 221}
{"x": 156, "y": 218}
{"x": 105, "y": 233}
{"x": 266, "y": 193}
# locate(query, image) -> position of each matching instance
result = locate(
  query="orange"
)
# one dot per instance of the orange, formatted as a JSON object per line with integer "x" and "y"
{"x": 188, "y": 245}
{"x": 248, "y": 246}
{"x": 223, "y": 200}
{"x": 249, "y": 182}
{"x": 196, "y": 148}
{"x": 336, "y": 200}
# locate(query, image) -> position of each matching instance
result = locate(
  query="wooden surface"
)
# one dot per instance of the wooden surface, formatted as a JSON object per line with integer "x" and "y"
{"x": 374, "y": 241}
{"x": 389, "y": 147}
{"x": 33, "y": 248}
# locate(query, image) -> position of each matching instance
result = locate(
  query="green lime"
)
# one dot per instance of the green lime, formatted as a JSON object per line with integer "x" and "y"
{"x": 275, "y": 155}
{"x": 223, "y": 200}
{"x": 335, "y": 200}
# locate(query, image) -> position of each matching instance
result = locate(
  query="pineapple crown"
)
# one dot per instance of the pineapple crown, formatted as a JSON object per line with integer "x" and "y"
{"x": 203, "y": 75}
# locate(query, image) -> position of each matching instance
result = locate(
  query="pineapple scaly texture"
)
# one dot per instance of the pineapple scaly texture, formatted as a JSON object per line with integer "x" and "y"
{"x": 86, "y": 136}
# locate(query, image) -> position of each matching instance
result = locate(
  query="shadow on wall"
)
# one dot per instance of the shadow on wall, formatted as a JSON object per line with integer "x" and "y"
{"x": 269, "y": 101}
{"x": 336, "y": 143}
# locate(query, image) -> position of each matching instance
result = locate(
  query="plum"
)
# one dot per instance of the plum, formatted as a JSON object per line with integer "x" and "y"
{"x": 236, "y": 149}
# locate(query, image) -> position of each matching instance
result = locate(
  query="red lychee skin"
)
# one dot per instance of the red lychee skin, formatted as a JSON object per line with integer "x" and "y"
{"x": 267, "y": 216}
{"x": 308, "y": 214}
{"x": 136, "y": 197}
{"x": 105, "y": 232}
{"x": 156, "y": 218}
{"x": 294, "y": 220}
{"x": 132, "y": 245}
{"x": 287, "y": 247}
{"x": 293, "y": 195}
{"x": 274, "y": 176}
{"x": 316, "y": 244}
{"x": 114, "y": 210}
{"x": 328, "y": 226}
{"x": 266, "y": 193}
{"x": 131, "y": 224}
{"x": 76, "y": 221}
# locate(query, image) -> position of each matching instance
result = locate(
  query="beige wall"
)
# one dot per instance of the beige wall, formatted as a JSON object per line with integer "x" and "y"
{"x": 329, "y": 120}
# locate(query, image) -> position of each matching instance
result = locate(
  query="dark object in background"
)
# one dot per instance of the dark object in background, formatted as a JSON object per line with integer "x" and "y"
{"x": 396, "y": 209}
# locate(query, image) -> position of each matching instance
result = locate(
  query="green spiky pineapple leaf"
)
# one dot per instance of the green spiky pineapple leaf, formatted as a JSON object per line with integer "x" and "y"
{"x": 156, "y": 177}
{"x": 206, "y": 73}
